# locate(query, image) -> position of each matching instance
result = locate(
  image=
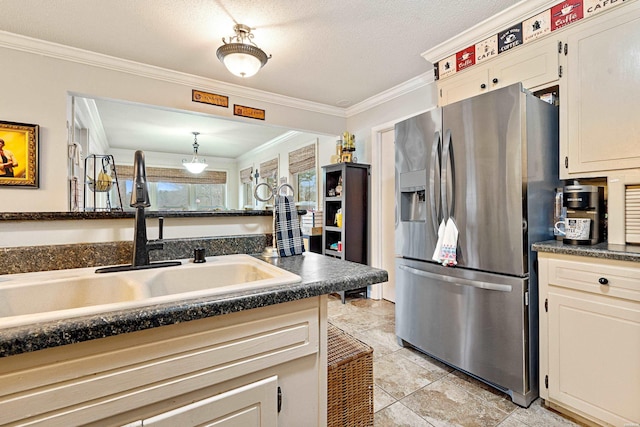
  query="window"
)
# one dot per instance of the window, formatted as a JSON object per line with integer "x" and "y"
{"x": 269, "y": 173}
{"x": 246, "y": 189}
{"x": 177, "y": 190}
{"x": 302, "y": 168}
{"x": 305, "y": 185}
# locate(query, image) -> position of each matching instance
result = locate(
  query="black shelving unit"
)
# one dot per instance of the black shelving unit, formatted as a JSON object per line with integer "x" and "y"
{"x": 350, "y": 240}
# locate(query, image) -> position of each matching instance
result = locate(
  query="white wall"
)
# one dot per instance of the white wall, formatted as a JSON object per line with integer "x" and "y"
{"x": 35, "y": 88}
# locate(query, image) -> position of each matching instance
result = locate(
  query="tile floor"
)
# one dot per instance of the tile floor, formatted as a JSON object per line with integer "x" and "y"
{"x": 412, "y": 389}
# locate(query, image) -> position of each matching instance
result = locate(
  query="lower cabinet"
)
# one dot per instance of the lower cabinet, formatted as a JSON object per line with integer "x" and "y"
{"x": 590, "y": 338}
{"x": 262, "y": 367}
{"x": 251, "y": 405}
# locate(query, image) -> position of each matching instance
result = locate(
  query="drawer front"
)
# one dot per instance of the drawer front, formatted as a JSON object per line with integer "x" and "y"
{"x": 86, "y": 382}
{"x": 620, "y": 280}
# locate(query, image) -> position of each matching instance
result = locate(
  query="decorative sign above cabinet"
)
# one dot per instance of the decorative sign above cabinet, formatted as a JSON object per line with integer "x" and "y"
{"x": 210, "y": 98}
{"x": 252, "y": 113}
{"x": 542, "y": 24}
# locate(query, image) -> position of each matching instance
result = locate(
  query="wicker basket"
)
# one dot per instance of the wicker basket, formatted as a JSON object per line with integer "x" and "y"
{"x": 350, "y": 380}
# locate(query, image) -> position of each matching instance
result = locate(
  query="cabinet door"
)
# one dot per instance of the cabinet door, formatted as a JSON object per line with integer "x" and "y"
{"x": 252, "y": 405}
{"x": 533, "y": 65}
{"x": 603, "y": 95}
{"x": 594, "y": 343}
{"x": 463, "y": 86}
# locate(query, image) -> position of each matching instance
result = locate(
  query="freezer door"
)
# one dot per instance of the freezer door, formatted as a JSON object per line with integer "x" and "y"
{"x": 474, "y": 321}
{"x": 482, "y": 174}
{"x": 417, "y": 174}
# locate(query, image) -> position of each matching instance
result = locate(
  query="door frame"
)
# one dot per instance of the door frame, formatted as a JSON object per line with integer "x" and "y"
{"x": 375, "y": 291}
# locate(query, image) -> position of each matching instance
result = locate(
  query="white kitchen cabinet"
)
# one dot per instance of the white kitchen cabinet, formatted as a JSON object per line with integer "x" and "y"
{"x": 590, "y": 337}
{"x": 252, "y": 405}
{"x": 601, "y": 95}
{"x": 534, "y": 65}
{"x": 193, "y": 370}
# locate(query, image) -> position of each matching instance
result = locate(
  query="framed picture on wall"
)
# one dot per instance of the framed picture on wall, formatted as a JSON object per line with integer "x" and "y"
{"x": 18, "y": 154}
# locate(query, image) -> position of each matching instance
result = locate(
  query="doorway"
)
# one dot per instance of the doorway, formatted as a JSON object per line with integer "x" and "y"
{"x": 383, "y": 208}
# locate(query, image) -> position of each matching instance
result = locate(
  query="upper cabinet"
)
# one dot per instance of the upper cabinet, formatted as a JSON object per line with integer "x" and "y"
{"x": 592, "y": 64}
{"x": 534, "y": 66}
{"x": 599, "y": 130}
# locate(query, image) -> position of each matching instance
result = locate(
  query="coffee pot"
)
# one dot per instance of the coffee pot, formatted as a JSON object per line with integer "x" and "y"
{"x": 585, "y": 212}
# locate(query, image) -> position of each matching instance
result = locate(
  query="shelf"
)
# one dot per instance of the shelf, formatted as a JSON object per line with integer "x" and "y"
{"x": 353, "y": 203}
{"x": 333, "y": 253}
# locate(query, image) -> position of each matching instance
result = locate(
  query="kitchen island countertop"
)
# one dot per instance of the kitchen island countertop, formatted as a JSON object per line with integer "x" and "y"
{"x": 320, "y": 275}
{"x": 601, "y": 250}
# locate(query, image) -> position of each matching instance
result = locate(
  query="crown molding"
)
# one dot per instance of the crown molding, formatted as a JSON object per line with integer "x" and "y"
{"x": 392, "y": 93}
{"x": 487, "y": 28}
{"x": 67, "y": 53}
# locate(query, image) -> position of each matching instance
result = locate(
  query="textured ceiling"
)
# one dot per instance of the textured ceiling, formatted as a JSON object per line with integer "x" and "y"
{"x": 335, "y": 52}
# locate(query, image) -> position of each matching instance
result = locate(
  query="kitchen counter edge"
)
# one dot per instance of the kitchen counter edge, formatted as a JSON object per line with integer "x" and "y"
{"x": 601, "y": 250}
{"x": 320, "y": 275}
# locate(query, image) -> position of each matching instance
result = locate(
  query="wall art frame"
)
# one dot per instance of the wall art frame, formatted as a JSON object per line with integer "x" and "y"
{"x": 19, "y": 154}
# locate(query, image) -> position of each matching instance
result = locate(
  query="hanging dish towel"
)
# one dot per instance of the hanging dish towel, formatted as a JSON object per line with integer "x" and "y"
{"x": 288, "y": 234}
{"x": 436, "y": 253}
{"x": 449, "y": 244}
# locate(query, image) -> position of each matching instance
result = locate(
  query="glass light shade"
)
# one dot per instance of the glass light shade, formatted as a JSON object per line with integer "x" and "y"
{"x": 194, "y": 166}
{"x": 241, "y": 59}
{"x": 242, "y": 65}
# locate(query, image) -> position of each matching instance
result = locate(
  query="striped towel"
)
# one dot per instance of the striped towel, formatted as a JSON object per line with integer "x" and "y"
{"x": 288, "y": 234}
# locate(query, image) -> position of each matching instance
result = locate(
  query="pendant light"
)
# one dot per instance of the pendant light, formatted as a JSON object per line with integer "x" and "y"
{"x": 241, "y": 55}
{"x": 195, "y": 165}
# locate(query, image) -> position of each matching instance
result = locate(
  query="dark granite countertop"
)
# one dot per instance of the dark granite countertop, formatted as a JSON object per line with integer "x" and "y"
{"x": 320, "y": 275}
{"x": 56, "y": 216}
{"x": 600, "y": 250}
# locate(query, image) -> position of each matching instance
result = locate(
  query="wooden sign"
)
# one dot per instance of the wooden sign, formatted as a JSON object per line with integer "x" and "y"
{"x": 210, "y": 98}
{"x": 252, "y": 113}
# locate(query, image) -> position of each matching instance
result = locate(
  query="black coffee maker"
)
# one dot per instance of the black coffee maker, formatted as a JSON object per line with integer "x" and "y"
{"x": 585, "y": 201}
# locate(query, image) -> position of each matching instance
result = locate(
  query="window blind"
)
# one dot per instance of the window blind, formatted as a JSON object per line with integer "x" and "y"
{"x": 178, "y": 176}
{"x": 302, "y": 159}
{"x": 269, "y": 169}
{"x": 245, "y": 176}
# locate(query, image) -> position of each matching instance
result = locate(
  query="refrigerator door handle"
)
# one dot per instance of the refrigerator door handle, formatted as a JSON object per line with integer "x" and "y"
{"x": 435, "y": 162}
{"x": 447, "y": 164}
{"x": 457, "y": 280}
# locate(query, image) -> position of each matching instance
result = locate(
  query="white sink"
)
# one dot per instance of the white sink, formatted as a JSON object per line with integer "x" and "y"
{"x": 63, "y": 294}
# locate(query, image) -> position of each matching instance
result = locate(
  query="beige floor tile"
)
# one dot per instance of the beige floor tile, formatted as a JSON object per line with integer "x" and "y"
{"x": 538, "y": 416}
{"x": 379, "y": 306}
{"x": 381, "y": 399}
{"x": 360, "y": 321}
{"x": 426, "y": 362}
{"x": 381, "y": 338}
{"x": 444, "y": 404}
{"x": 399, "y": 376}
{"x": 511, "y": 422}
{"x": 495, "y": 397}
{"x": 398, "y": 415}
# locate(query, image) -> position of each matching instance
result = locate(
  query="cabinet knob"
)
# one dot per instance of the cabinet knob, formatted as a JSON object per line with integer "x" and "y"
{"x": 603, "y": 281}
{"x": 483, "y": 86}
{"x": 494, "y": 80}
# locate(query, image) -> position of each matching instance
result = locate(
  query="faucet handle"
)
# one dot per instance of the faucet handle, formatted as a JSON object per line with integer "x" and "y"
{"x": 160, "y": 227}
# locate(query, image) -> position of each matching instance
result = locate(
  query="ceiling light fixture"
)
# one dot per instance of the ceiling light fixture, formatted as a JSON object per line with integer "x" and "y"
{"x": 241, "y": 55}
{"x": 195, "y": 165}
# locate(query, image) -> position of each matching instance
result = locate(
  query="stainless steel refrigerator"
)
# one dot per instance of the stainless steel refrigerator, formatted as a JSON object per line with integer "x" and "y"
{"x": 491, "y": 164}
